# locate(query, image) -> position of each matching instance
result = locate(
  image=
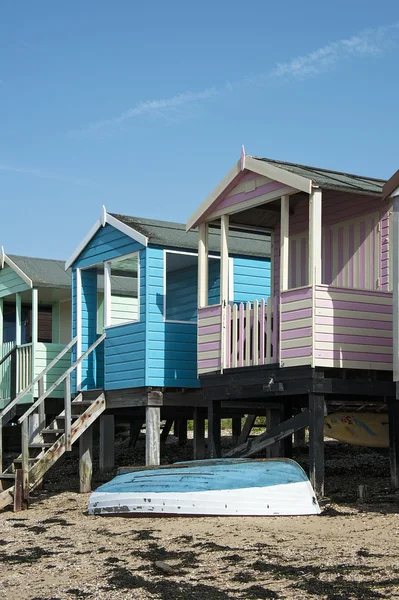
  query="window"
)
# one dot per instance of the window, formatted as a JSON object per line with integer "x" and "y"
{"x": 181, "y": 289}
{"x": 121, "y": 293}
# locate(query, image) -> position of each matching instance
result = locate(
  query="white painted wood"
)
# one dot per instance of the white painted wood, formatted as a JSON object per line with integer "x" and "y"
{"x": 382, "y": 298}
{"x": 274, "y": 172}
{"x": 352, "y": 314}
{"x": 129, "y": 231}
{"x": 394, "y": 263}
{"x": 234, "y": 334}
{"x": 248, "y": 334}
{"x": 255, "y": 335}
{"x": 295, "y": 324}
{"x": 193, "y": 221}
{"x": 203, "y": 265}
{"x": 252, "y": 203}
{"x": 315, "y": 225}
{"x": 269, "y": 314}
{"x": 107, "y": 295}
{"x": 18, "y": 318}
{"x": 67, "y": 411}
{"x": 79, "y": 249}
{"x": 224, "y": 259}
{"x": 152, "y": 435}
{"x": 35, "y": 325}
{"x": 284, "y": 242}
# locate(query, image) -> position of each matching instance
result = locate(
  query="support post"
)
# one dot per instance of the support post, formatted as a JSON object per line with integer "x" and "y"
{"x": 316, "y": 443}
{"x": 35, "y": 320}
{"x": 18, "y": 319}
{"x": 67, "y": 410}
{"x": 152, "y": 435}
{"x": 199, "y": 434}
{"x": 33, "y": 426}
{"x": 203, "y": 265}
{"x": 86, "y": 460}
{"x": 273, "y": 419}
{"x": 286, "y": 449}
{"x": 107, "y": 294}
{"x": 135, "y": 426}
{"x": 224, "y": 259}
{"x": 182, "y": 431}
{"x": 235, "y": 429}
{"x": 394, "y": 268}
{"x": 284, "y": 242}
{"x": 246, "y": 430}
{"x": 315, "y": 225}
{"x": 214, "y": 441}
{"x": 393, "y": 416}
{"x": 25, "y": 462}
{"x": 299, "y": 438}
{"x": 107, "y": 443}
{"x": 42, "y": 407}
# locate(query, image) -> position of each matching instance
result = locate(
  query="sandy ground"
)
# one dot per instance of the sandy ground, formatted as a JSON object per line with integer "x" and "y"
{"x": 56, "y": 551}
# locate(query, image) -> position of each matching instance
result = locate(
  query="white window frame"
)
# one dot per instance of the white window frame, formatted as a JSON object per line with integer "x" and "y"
{"x": 108, "y": 291}
{"x": 231, "y": 283}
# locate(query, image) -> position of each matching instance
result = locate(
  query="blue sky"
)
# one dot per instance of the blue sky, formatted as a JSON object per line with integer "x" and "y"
{"x": 144, "y": 107}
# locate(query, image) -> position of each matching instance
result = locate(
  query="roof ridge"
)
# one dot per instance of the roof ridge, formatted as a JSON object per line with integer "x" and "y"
{"x": 323, "y": 170}
{"x": 34, "y": 257}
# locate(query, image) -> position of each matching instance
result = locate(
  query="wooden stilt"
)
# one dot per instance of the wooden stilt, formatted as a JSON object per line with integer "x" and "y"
{"x": 236, "y": 429}
{"x": 18, "y": 487}
{"x": 393, "y": 414}
{"x": 246, "y": 430}
{"x": 286, "y": 449}
{"x": 299, "y": 439}
{"x": 135, "y": 428}
{"x": 86, "y": 460}
{"x": 316, "y": 443}
{"x": 152, "y": 435}
{"x": 166, "y": 430}
{"x": 199, "y": 434}
{"x": 214, "y": 429}
{"x": 273, "y": 419}
{"x": 182, "y": 432}
{"x": 107, "y": 443}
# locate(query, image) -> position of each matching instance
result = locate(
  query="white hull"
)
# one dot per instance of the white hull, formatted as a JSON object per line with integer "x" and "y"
{"x": 287, "y": 499}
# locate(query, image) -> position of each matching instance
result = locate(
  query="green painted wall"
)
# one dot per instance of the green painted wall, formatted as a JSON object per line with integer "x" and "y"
{"x": 10, "y": 282}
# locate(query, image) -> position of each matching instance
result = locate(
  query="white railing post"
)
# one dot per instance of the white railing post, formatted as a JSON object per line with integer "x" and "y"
{"x": 234, "y": 330}
{"x": 67, "y": 407}
{"x": 248, "y": 334}
{"x": 269, "y": 316}
{"x": 228, "y": 337}
{"x": 241, "y": 339}
{"x": 262, "y": 327}
{"x": 255, "y": 334}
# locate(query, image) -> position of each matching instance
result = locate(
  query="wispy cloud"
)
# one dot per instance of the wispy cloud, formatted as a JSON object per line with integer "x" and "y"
{"x": 366, "y": 44}
{"x": 369, "y": 43}
{"x": 159, "y": 108}
{"x": 46, "y": 175}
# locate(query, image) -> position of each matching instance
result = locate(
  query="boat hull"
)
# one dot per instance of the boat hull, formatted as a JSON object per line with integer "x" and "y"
{"x": 278, "y": 487}
{"x": 359, "y": 429}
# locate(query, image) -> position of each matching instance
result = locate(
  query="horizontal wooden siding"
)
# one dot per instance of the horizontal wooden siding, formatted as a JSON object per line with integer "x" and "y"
{"x": 209, "y": 339}
{"x": 296, "y": 314}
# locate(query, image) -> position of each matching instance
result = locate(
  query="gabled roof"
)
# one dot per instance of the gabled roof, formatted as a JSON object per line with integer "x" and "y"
{"x": 391, "y": 185}
{"x": 297, "y": 178}
{"x": 43, "y": 272}
{"x": 333, "y": 180}
{"x": 169, "y": 234}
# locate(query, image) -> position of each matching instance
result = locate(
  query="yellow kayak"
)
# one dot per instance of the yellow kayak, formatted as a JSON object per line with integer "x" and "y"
{"x": 359, "y": 429}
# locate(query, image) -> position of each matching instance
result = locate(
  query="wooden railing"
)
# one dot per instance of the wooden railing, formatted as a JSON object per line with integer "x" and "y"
{"x": 7, "y": 361}
{"x": 24, "y": 366}
{"x": 251, "y": 334}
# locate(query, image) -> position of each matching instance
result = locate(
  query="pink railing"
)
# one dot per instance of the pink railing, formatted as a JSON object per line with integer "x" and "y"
{"x": 251, "y": 333}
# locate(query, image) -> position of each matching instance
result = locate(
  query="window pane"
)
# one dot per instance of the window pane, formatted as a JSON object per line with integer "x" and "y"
{"x": 124, "y": 290}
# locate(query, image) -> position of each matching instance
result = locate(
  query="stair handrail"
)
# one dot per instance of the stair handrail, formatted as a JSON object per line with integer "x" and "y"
{"x": 60, "y": 379}
{"x": 11, "y": 404}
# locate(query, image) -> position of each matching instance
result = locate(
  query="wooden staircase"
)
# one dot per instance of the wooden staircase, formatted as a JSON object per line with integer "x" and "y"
{"x": 43, "y": 442}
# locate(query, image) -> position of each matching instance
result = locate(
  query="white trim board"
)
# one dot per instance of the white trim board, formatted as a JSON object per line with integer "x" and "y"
{"x": 102, "y": 222}
{"x": 6, "y": 260}
{"x": 250, "y": 163}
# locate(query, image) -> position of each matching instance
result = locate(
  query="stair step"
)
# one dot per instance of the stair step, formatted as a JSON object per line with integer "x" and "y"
{"x": 63, "y": 417}
{"x": 30, "y": 459}
{"x": 82, "y": 403}
{"x": 47, "y": 431}
{"x": 41, "y": 445}
{"x": 7, "y": 475}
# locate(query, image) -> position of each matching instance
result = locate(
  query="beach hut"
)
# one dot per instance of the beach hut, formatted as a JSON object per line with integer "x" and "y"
{"x": 324, "y": 338}
{"x": 133, "y": 345}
